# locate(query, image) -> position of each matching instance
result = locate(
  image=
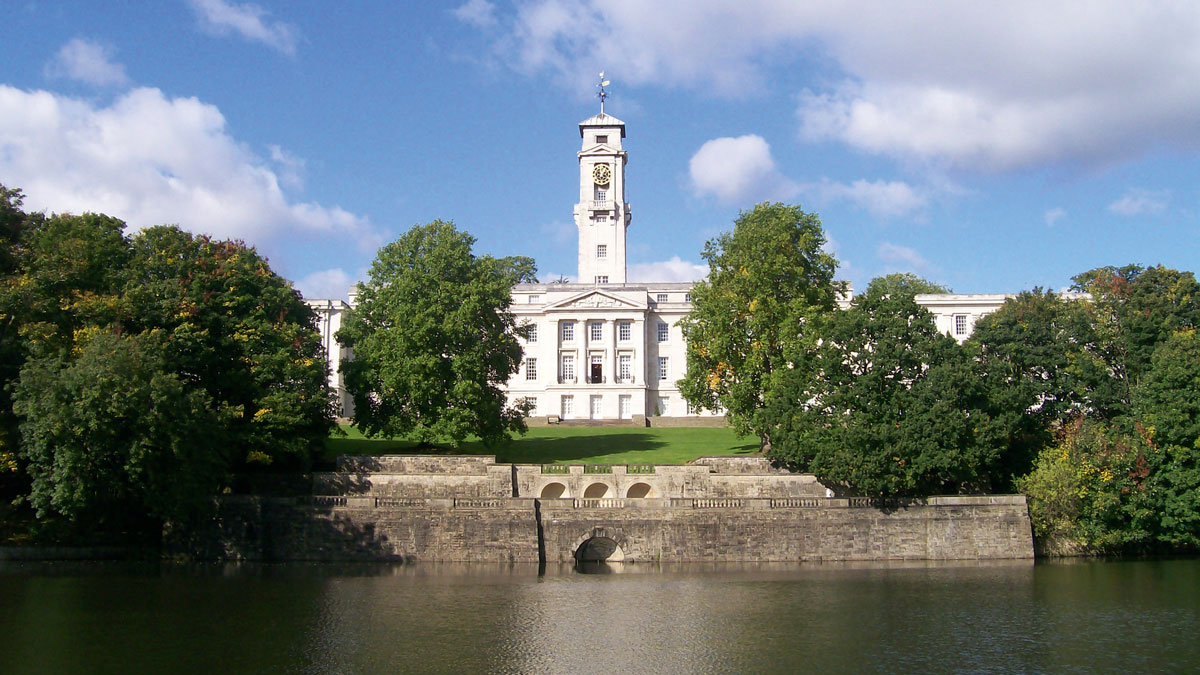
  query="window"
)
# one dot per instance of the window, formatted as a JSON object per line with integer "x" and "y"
{"x": 602, "y": 278}
{"x": 535, "y": 299}
{"x": 663, "y": 331}
{"x": 624, "y": 367}
{"x": 661, "y": 297}
{"x": 960, "y": 324}
{"x": 529, "y": 403}
{"x": 687, "y": 297}
{"x": 663, "y": 408}
{"x": 600, "y": 218}
{"x": 568, "y": 407}
{"x": 595, "y": 331}
{"x": 624, "y": 407}
{"x": 601, "y": 249}
{"x": 568, "y": 331}
{"x": 692, "y": 410}
{"x": 568, "y": 368}
{"x": 596, "y": 369}
{"x": 531, "y": 333}
{"x": 662, "y": 367}
{"x": 624, "y": 330}
{"x": 601, "y": 194}
{"x": 530, "y": 369}
{"x": 602, "y": 138}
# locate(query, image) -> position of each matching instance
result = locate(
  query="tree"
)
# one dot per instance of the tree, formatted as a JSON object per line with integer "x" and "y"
{"x": 769, "y": 291}
{"x": 114, "y": 439}
{"x": 156, "y": 366}
{"x": 13, "y": 223}
{"x": 1033, "y": 361}
{"x": 434, "y": 341}
{"x": 896, "y": 409}
{"x": 240, "y": 333}
{"x": 1133, "y": 309}
{"x": 906, "y": 283}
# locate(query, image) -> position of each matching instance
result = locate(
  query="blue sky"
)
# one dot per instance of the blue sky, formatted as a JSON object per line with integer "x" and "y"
{"x": 990, "y": 147}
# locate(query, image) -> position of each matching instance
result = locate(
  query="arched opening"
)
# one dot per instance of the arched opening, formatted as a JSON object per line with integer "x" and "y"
{"x": 595, "y": 491}
{"x": 599, "y": 549}
{"x": 554, "y": 491}
{"x": 640, "y": 491}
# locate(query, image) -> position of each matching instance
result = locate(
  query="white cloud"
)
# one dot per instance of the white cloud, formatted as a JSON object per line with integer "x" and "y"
{"x": 87, "y": 61}
{"x": 674, "y": 269}
{"x": 327, "y": 284}
{"x": 479, "y": 13}
{"x": 1054, "y": 215}
{"x": 290, "y": 166}
{"x": 148, "y": 160}
{"x": 898, "y": 258}
{"x": 247, "y": 20}
{"x": 885, "y": 199}
{"x": 1141, "y": 202}
{"x": 983, "y": 86}
{"x": 738, "y": 170}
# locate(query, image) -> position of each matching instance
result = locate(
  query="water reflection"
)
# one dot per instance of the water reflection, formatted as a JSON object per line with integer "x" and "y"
{"x": 321, "y": 618}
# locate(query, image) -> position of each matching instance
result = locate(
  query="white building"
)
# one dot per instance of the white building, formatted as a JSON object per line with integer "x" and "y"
{"x": 605, "y": 349}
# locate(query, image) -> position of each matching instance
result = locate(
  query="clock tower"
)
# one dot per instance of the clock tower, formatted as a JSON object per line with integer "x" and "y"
{"x": 602, "y": 216}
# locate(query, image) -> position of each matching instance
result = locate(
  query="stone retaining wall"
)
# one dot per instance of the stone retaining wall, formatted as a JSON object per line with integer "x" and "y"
{"x": 664, "y": 530}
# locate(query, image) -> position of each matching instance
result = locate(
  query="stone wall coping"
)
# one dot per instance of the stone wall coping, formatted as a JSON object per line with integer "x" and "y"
{"x": 739, "y": 503}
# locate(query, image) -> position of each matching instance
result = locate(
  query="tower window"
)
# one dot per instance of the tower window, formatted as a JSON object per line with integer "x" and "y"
{"x": 601, "y": 194}
{"x": 601, "y": 218}
{"x": 601, "y": 249}
{"x": 602, "y": 139}
{"x": 602, "y": 278}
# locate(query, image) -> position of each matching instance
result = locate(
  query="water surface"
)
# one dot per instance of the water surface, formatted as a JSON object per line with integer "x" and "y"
{"x": 998, "y": 617}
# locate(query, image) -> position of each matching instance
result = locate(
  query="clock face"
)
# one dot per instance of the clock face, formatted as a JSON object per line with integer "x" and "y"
{"x": 601, "y": 174}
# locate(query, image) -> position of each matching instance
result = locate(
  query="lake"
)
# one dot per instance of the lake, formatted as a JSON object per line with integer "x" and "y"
{"x": 1089, "y": 616}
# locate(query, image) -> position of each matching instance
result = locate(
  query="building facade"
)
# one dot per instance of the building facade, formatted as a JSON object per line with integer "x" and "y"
{"x": 603, "y": 348}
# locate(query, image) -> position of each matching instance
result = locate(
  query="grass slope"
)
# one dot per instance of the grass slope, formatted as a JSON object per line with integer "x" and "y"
{"x": 576, "y": 445}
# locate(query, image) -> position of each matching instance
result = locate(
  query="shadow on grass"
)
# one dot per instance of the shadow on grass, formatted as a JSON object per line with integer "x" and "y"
{"x": 547, "y": 446}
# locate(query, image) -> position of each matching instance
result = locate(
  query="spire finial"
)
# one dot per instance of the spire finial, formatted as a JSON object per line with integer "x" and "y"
{"x": 603, "y": 94}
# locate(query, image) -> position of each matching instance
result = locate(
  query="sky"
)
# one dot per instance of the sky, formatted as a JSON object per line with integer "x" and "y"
{"x": 990, "y": 147}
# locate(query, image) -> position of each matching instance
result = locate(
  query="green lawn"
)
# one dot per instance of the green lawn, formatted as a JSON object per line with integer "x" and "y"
{"x": 575, "y": 445}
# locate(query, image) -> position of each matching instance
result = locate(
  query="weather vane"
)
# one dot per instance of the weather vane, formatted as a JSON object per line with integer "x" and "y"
{"x": 603, "y": 94}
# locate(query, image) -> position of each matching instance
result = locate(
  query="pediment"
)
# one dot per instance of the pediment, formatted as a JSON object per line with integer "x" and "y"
{"x": 601, "y": 149}
{"x": 595, "y": 300}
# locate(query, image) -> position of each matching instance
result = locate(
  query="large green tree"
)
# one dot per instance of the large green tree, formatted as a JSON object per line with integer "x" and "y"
{"x": 114, "y": 439}
{"x": 1032, "y": 356}
{"x": 154, "y": 367}
{"x": 769, "y": 291}
{"x": 242, "y": 334}
{"x": 434, "y": 340}
{"x": 895, "y": 409}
